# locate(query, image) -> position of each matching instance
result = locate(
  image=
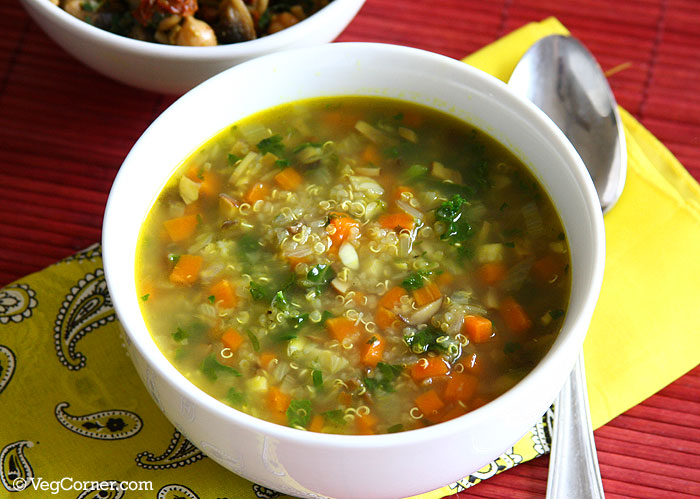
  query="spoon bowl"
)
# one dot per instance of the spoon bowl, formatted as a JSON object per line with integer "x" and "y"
{"x": 561, "y": 77}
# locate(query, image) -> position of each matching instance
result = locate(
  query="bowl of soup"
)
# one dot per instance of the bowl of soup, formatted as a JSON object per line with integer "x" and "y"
{"x": 171, "y": 46}
{"x": 367, "y": 279}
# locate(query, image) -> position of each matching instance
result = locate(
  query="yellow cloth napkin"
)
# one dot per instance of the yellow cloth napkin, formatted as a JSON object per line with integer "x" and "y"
{"x": 75, "y": 414}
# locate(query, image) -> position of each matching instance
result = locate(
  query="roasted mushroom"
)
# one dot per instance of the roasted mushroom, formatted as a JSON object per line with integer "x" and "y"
{"x": 235, "y": 23}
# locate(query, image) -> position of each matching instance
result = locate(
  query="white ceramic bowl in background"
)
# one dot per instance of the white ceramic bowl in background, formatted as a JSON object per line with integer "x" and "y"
{"x": 173, "y": 69}
{"x": 318, "y": 465}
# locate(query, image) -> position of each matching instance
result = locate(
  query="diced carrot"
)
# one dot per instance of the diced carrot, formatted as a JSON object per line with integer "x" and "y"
{"x": 209, "y": 182}
{"x": 392, "y": 297}
{"x": 444, "y": 279}
{"x": 427, "y": 294}
{"x": 397, "y": 221}
{"x": 478, "y": 329}
{"x": 277, "y": 400}
{"x": 429, "y": 403}
{"x": 317, "y": 422}
{"x": 342, "y": 120}
{"x": 257, "y": 191}
{"x": 398, "y": 192}
{"x": 491, "y": 273}
{"x": 429, "y": 367}
{"x": 358, "y": 297}
{"x": 231, "y": 339}
{"x": 411, "y": 119}
{"x": 223, "y": 294}
{"x": 371, "y": 155}
{"x": 289, "y": 179}
{"x": 372, "y": 351}
{"x": 341, "y": 327}
{"x": 294, "y": 261}
{"x": 340, "y": 228}
{"x": 452, "y": 412}
{"x": 266, "y": 358}
{"x": 181, "y": 228}
{"x": 472, "y": 364}
{"x": 366, "y": 424}
{"x": 186, "y": 270}
{"x": 514, "y": 315}
{"x": 193, "y": 208}
{"x": 478, "y": 402}
{"x": 547, "y": 269}
{"x": 460, "y": 387}
{"x": 344, "y": 398}
{"x": 384, "y": 318}
{"x": 211, "y": 186}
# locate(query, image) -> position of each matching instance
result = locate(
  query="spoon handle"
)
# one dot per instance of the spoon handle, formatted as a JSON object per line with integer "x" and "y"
{"x": 573, "y": 466}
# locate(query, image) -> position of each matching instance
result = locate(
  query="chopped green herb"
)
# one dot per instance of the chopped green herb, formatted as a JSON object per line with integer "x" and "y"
{"x": 335, "y": 417}
{"x": 325, "y": 316}
{"x": 415, "y": 280}
{"x": 173, "y": 258}
{"x": 414, "y": 172}
{"x": 211, "y": 298}
{"x": 253, "y": 340}
{"x": 321, "y": 274}
{"x": 395, "y": 428}
{"x": 384, "y": 377}
{"x": 272, "y": 145}
{"x": 511, "y": 347}
{"x": 433, "y": 340}
{"x": 556, "y": 313}
{"x": 234, "y": 397}
{"x": 199, "y": 219}
{"x": 281, "y": 302}
{"x": 282, "y": 163}
{"x": 180, "y": 335}
{"x": 212, "y": 369}
{"x": 317, "y": 377}
{"x": 561, "y": 236}
{"x": 450, "y": 212}
{"x": 372, "y": 340}
{"x": 391, "y": 152}
{"x": 232, "y": 159}
{"x": 257, "y": 291}
{"x": 145, "y": 297}
{"x": 299, "y": 413}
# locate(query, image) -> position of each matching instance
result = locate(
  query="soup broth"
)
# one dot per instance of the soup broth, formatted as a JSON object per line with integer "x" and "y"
{"x": 353, "y": 265}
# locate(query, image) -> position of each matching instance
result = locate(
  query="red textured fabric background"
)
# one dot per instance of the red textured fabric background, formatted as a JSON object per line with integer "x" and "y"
{"x": 64, "y": 131}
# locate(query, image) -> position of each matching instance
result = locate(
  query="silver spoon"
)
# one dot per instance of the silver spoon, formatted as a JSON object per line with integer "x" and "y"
{"x": 562, "y": 78}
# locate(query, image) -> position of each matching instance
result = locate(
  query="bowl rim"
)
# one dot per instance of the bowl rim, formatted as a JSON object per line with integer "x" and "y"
{"x": 273, "y": 42}
{"x": 438, "y": 431}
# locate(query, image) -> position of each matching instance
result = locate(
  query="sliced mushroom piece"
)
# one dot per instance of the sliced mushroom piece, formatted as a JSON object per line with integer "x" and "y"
{"x": 423, "y": 314}
{"x": 235, "y": 22}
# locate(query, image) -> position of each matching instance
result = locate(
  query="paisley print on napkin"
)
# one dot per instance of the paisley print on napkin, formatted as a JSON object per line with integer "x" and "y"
{"x": 90, "y": 253}
{"x": 16, "y": 303}
{"x": 180, "y": 452}
{"x": 15, "y": 470}
{"x": 87, "y": 307}
{"x": 176, "y": 491}
{"x": 7, "y": 366}
{"x": 105, "y": 425}
{"x": 264, "y": 493}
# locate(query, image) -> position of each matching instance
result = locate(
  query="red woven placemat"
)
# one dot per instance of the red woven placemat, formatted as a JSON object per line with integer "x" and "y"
{"x": 64, "y": 131}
